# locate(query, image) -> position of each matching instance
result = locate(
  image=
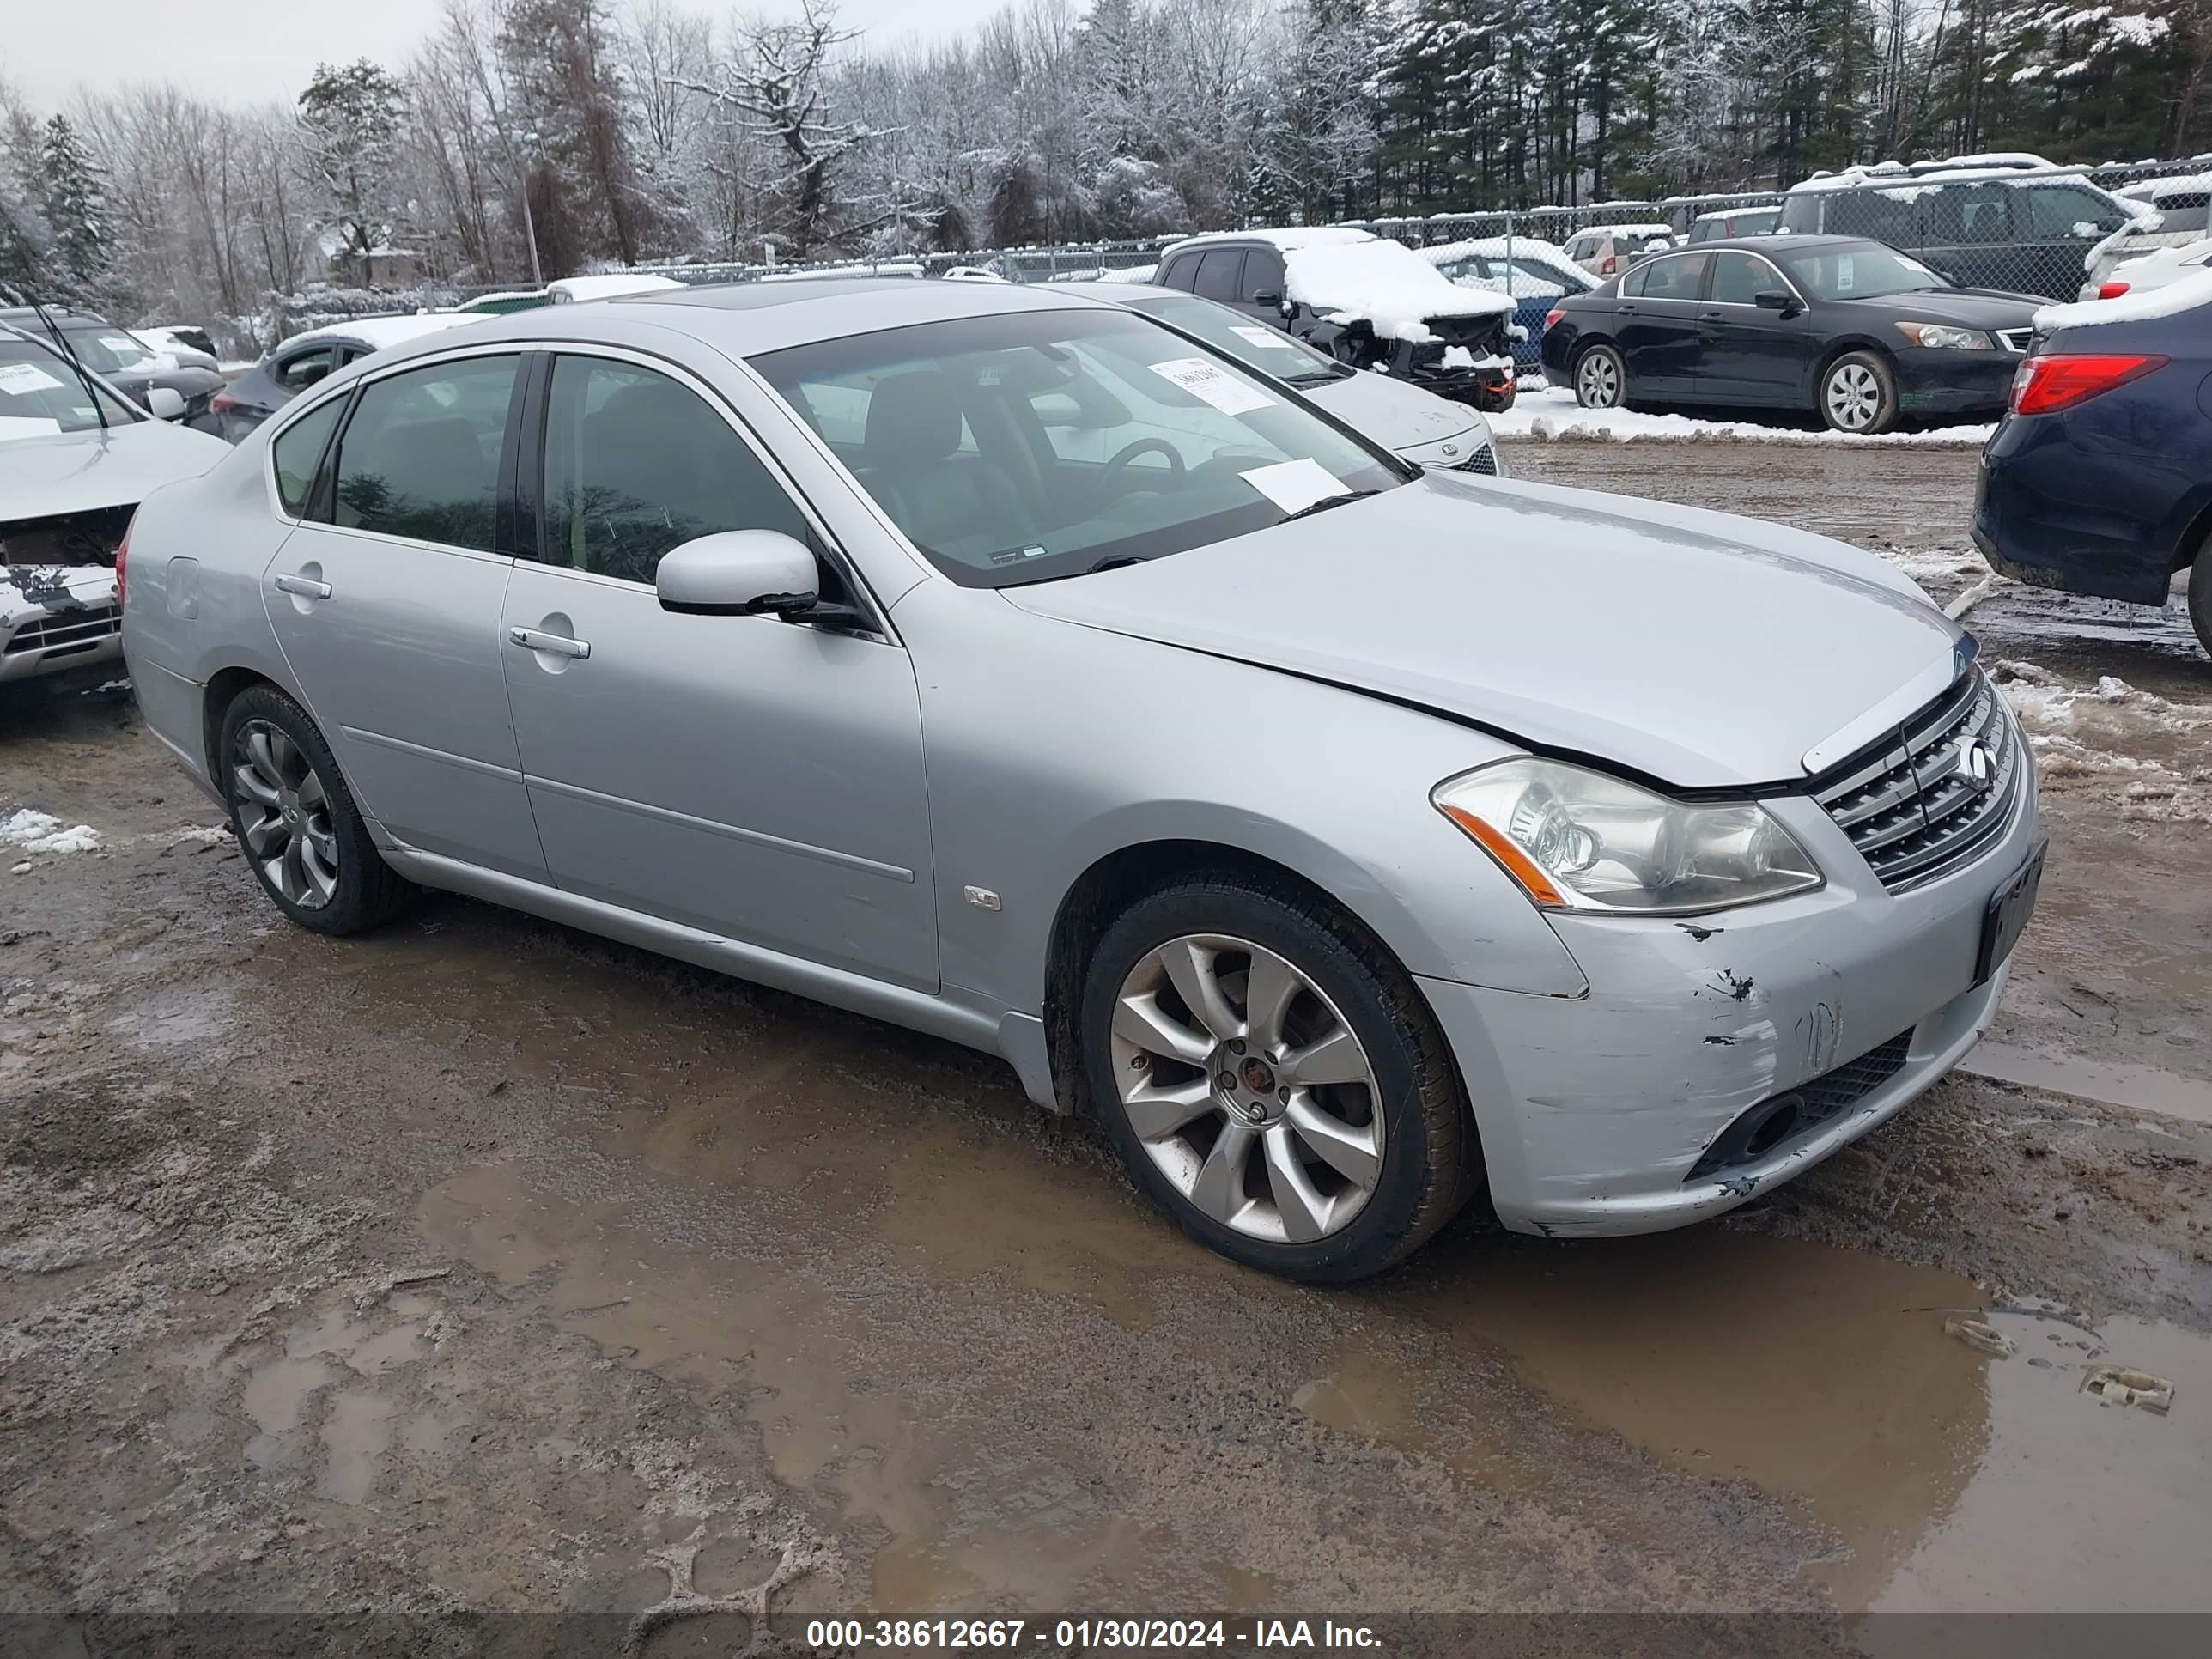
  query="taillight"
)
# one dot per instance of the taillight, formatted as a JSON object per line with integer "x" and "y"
{"x": 1612, "y": 265}
{"x": 2044, "y": 385}
{"x": 1552, "y": 316}
{"x": 223, "y": 403}
{"x": 2111, "y": 290}
{"x": 122, "y": 560}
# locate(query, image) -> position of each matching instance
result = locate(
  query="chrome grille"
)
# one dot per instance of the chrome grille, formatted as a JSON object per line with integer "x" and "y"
{"x": 81, "y": 628}
{"x": 1484, "y": 460}
{"x": 2015, "y": 340}
{"x": 1916, "y": 808}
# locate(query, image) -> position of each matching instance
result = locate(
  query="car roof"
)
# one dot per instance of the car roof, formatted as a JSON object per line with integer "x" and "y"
{"x": 1287, "y": 237}
{"x": 1786, "y": 242}
{"x": 377, "y": 333}
{"x": 743, "y": 320}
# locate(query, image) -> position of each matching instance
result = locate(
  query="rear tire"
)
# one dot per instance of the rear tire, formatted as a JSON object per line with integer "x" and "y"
{"x": 1858, "y": 394}
{"x": 1298, "y": 1112}
{"x": 296, "y": 822}
{"x": 1601, "y": 379}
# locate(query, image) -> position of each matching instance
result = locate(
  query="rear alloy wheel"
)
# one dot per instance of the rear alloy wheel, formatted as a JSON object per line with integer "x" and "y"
{"x": 1282, "y": 1094}
{"x": 1601, "y": 379}
{"x": 1858, "y": 394}
{"x": 296, "y": 820}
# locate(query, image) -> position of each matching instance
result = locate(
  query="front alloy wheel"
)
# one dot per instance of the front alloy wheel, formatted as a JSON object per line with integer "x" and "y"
{"x": 284, "y": 815}
{"x": 1858, "y": 394}
{"x": 1273, "y": 1078}
{"x": 1248, "y": 1089}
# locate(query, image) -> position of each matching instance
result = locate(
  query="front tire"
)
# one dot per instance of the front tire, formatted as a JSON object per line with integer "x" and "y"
{"x": 296, "y": 822}
{"x": 1273, "y": 1081}
{"x": 1858, "y": 394}
{"x": 1601, "y": 379}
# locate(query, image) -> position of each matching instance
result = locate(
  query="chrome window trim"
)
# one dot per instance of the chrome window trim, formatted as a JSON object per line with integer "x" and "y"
{"x": 1741, "y": 305}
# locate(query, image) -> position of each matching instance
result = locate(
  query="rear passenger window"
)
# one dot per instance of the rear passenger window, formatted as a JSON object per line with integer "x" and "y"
{"x": 420, "y": 458}
{"x": 1217, "y": 274}
{"x": 1675, "y": 278}
{"x": 636, "y": 464}
{"x": 297, "y": 451}
{"x": 298, "y": 373}
{"x": 1880, "y": 216}
{"x": 1970, "y": 215}
{"x": 1181, "y": 272}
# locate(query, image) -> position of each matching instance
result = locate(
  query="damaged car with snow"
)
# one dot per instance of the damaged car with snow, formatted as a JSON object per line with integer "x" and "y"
{"x": 1366, "y": 301}
{"x": 76, "y": 457}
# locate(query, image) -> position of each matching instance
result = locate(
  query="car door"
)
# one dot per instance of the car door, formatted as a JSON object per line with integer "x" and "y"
{"x": 1657, "y": 333}
{"x": 385, "y": 599}
{"x": 1970, "y": 235}
{"x": 1751, "y": 354}
{"x": 758, "y": 780}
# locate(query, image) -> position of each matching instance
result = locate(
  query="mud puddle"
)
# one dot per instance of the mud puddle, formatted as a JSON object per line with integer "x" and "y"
{"x": 2116, "y": 1083}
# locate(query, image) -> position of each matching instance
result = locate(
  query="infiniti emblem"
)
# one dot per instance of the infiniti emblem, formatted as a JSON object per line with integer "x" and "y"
{"x": 1980, "y": 766}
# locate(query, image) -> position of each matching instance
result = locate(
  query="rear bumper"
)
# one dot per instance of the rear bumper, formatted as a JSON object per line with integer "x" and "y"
{"x": 1594, "y": 1112}
{"x": 2048, "y": 514}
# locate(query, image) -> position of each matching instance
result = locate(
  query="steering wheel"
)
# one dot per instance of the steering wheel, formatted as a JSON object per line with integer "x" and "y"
{"x": 1111, "y": 477}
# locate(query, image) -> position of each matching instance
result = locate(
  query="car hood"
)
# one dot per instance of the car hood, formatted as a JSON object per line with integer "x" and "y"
{"x": 1393, "y": 414}
{"x": 1701, "y": 649}
{"x": 1968, "y": 307}
{"x": 77, "y": 471}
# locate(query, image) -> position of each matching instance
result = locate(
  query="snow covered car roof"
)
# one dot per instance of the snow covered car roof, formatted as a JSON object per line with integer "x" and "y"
{"x": 1983, "y": 171}
{"x": 571, "y": 291}
{"x": 1644, "y": 228}
{"x": 379, "y": 333}
{"x": 2137, "y": 305}
{"x": 1499, "y": 247}
{"x": 1736, "y": 212}
{"x": 2155, "y": 190}
{"x": 1385, "y": 285}
{"x": 1288, "y": 238}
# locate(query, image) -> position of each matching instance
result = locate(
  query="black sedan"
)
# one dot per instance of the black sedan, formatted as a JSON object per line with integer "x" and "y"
{"x": 2099, "y": 479}
{"x": 1852, "y": 330}
{"x": 120, "y": 357}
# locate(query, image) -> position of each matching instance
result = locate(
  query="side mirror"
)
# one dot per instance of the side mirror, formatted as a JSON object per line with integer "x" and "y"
{"x": 1772, "y": 299}
{"x": 738, "y": 573}
{"x": 1267, "y": 296}
{"x": 165, "y": 403}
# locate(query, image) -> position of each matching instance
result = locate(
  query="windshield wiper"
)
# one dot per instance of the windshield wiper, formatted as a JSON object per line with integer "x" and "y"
{"x": 1333, "y": 371}
{"x": 1325, "y": 503}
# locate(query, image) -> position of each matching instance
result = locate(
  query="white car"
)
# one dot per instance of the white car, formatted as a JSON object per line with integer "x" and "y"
{"x": 2175, "y": 213}
{"x": 2156, "y": 268}
{"x": 1419, "y": 426}
{"x": 76, "y": 457}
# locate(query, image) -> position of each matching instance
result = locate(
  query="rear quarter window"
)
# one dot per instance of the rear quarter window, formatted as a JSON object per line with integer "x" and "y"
{"x": 298, "y": 451}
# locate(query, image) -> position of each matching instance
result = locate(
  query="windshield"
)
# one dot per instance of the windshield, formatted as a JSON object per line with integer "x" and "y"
{"x": 1865, "y": 271}
{"x": 40, "y": 395}
{"x": 1256, "y": 345}
{"x": 1026, "y": 446}
{"x": 106, "y": 351}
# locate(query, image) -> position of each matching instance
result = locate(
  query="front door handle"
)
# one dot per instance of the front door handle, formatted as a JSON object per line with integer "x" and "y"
{"x": 306, "y": 587}
{"x": 553, "y": 644}
{"x": 1625, "y": 311}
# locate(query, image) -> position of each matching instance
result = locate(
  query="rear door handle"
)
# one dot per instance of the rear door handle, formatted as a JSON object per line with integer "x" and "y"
{"x": 306, "y": 587}
{"x": 552, "y": 644}
{"x": 1625, "y": 311}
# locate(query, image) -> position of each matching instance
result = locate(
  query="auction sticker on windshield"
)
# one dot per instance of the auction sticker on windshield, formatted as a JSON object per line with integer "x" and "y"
{"x": 18, "y": 378}
{"x": 1205, "y": 382}
{"x": 1273, "y": 339}
{"x": 1292, "y": 485}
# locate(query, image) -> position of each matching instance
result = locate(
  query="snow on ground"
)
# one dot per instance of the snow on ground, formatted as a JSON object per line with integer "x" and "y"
{"x": 41, "y": 832}
{"x": 1550, "y": 412}
{"x": 2110, "y": 738}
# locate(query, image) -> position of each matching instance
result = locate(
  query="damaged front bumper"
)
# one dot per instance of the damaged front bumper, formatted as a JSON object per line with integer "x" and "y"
{"x": 55, "y": 618}
{"x": 1610, "y": 1113}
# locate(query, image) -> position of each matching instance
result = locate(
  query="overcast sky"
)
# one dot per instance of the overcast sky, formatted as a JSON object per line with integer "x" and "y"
{"x": 260, "y": 51}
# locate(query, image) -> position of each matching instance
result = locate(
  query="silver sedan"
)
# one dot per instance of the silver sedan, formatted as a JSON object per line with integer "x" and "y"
{"x": 1349, "y": 841}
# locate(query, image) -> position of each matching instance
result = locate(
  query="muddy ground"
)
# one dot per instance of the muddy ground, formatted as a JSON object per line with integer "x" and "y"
{"x": 481, "y": 1265}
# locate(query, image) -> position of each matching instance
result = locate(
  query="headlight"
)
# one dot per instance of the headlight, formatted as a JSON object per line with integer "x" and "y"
{"x": 1943, "y": 334}
{"x": 1577, "y": 840}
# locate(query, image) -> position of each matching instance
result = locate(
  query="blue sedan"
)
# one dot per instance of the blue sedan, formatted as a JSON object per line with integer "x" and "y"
{"x": 2098, "y": 480}
{"x": 1535, "y": 274}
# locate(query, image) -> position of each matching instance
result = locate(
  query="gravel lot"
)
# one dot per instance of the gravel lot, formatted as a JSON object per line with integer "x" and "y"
{"x": 481, "y": 1265}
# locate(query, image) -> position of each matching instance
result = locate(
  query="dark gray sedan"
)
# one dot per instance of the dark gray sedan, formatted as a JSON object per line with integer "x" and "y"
{"x": 120, "y": 358}
{"x": 306, "y": 359}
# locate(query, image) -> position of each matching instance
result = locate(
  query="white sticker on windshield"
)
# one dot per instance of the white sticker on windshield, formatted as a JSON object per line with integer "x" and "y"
{"x": 1273, "y": 338}
{"x": 1294, "y": 484}
{"x": 1209, "y": 383}
{"x": 123, "y": 345}
{"x": 19, "y": 380}
{"x": 25, "y": 426}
